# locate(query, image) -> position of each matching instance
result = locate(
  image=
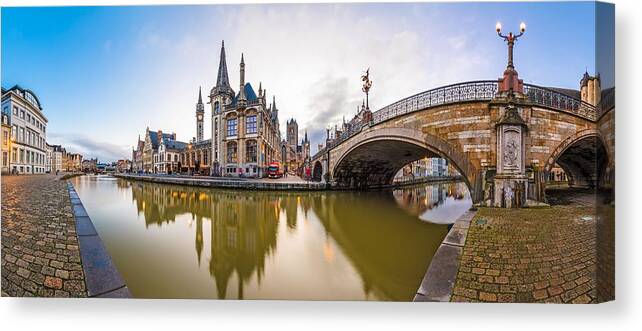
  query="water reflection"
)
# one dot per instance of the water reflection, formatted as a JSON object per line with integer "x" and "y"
{"x": 294, "y": 245}
{"x": 439, "y": 203}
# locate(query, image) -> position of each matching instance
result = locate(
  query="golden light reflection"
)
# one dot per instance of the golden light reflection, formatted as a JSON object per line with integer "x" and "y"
{"x": 328, "y": 252}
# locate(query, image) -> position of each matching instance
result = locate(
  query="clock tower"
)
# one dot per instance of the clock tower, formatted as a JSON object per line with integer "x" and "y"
{"x": 200, "y": 113}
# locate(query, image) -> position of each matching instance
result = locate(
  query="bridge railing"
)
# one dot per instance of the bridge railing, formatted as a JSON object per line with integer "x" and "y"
{"x": 482, "y": 90}
{"x": 553, "y": 99}
{"x": 468, "y": 91}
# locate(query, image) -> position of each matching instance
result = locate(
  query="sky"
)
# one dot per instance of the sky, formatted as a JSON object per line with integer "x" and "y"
{"x": 105, "y": 74}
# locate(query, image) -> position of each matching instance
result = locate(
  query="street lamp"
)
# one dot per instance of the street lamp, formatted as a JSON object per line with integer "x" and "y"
{"x": 510, "y": 40}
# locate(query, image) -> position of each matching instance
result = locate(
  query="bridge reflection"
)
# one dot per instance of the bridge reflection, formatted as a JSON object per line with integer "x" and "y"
{"x": 379, "y": 234}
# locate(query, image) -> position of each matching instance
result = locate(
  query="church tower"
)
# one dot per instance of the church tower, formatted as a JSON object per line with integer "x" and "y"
{"x": 200, "y": 112}
{"x": 220, "y": 96}
{"x": 292, "y": 132}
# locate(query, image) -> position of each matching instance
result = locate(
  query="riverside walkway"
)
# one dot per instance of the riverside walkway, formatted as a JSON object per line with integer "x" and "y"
{"x": 532, "y": 254}
{"x": 40, "y": 249}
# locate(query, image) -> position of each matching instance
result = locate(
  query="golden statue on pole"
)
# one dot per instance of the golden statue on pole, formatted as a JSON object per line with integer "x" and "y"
{"x": 367, "y": 84}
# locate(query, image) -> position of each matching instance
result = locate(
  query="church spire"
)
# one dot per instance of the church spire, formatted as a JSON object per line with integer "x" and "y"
{"x": 200, "y": 96}
{"x": 222, "y": 80}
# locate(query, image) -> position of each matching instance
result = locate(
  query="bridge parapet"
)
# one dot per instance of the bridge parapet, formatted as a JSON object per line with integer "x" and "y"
{"x": 482, "y": 90}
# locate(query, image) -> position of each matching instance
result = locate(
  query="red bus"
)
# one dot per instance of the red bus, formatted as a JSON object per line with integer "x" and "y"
{"x": 274, "y": 170}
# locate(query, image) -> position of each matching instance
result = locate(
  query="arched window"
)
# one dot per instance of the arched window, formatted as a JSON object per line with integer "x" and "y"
{"x": 217, "y": 107}
{"x": 232, "y": 150}
{"x": 250, "y": 151}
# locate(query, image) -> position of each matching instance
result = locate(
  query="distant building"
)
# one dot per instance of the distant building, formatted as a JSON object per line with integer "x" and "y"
{"x": 55, "y": 153}
{"x": 89, "y": 165}
{"x": 137, "y": 156}
{"x": 48, "y": 156}
{"x": 557, "y": 174}
{"x": 123, "y": 166}
{"x": 72, "y": 162}
{"x": 294, "y": 155}
{"x": 150, "y": 149}
{"x": 28, "y": 130}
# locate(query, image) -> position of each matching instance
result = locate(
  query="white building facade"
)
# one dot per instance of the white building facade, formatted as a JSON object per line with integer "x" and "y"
{"x": 28, "y": 131}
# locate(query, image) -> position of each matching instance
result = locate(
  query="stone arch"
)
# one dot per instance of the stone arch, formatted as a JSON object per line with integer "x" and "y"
{"x": 317, "y": 171}
{"x": 583, "y": 156}
{"x": 401, "y": 146}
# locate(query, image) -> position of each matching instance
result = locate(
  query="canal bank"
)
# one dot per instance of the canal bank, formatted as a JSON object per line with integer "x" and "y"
{"x": 229, "y": 183}
{"x": 265, "y": 184}
{"x": 102, "y": 279}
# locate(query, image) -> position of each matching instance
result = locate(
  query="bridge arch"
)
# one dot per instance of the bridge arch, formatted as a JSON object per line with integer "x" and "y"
{"x": 317, "y": 171}
{"x": 583, "y": 156}
{"x": 372, "y": 158}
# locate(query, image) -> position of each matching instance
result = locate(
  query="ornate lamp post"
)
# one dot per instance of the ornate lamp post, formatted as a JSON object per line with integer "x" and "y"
{"x": 367, "y": 84}
{"x": 510, "y": 180}
{"x": 510, "y": 81}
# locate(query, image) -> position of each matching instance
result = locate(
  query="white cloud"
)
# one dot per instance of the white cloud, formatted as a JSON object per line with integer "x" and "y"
{"x": 306, "y": 54}
{"x": 310, "y": 56}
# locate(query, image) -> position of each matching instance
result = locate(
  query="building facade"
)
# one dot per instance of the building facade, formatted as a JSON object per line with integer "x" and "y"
{"x": 57, "y": 153}
{"x": 72, "y": 162}
{"x": 6, "y": 143}
{"x": 137, "y": 156}
{"x": 151, "y": 157}
{"x": 89, "y": 165}
{"x": 245, "y": 131}
{"x": 169, "y": 154}
{"x": 28, "y": 130}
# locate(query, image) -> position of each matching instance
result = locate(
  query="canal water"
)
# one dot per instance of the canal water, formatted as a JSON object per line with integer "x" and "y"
{"x": 171, "y": 241}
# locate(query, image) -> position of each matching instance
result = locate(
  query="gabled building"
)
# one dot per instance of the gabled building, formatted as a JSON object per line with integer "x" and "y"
{"x": 151, "y": 157}
{"x": 245, "y": 131}
{"x": 137, "y": 156}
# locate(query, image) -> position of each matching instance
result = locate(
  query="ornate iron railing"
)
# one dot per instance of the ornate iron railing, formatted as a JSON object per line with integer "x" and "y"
{"x": 543, "y": 96}
{"x": 469, "y": 91}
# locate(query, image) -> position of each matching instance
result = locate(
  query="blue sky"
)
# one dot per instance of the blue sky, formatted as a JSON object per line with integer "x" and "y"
{"x": 104, "y": 74}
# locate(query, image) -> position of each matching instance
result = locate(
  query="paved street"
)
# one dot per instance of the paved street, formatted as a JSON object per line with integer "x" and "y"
{"x": 531, "y": 255}
{"x": 40, "y": 255}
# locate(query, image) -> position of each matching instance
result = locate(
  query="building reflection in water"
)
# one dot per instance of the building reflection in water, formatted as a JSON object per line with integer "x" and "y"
{"x": 439, "y": 203}
{"x": 243, "y": 227}
{"x": 389, "y": 250}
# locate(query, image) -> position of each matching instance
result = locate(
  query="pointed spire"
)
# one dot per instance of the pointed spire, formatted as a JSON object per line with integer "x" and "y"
{"x": 222, "y": 80}
{"x": 200, "y": 96}
{"x": 242, "y": 96}
{"x": 274, "y": 102}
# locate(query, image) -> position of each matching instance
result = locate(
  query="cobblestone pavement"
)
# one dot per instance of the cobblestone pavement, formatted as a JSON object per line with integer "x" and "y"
{"x": 40, "y": 255}
{"x": 531, "y": 255}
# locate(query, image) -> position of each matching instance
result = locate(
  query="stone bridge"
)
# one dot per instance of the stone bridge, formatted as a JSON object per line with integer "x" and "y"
{"x": 504, "y": 144}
